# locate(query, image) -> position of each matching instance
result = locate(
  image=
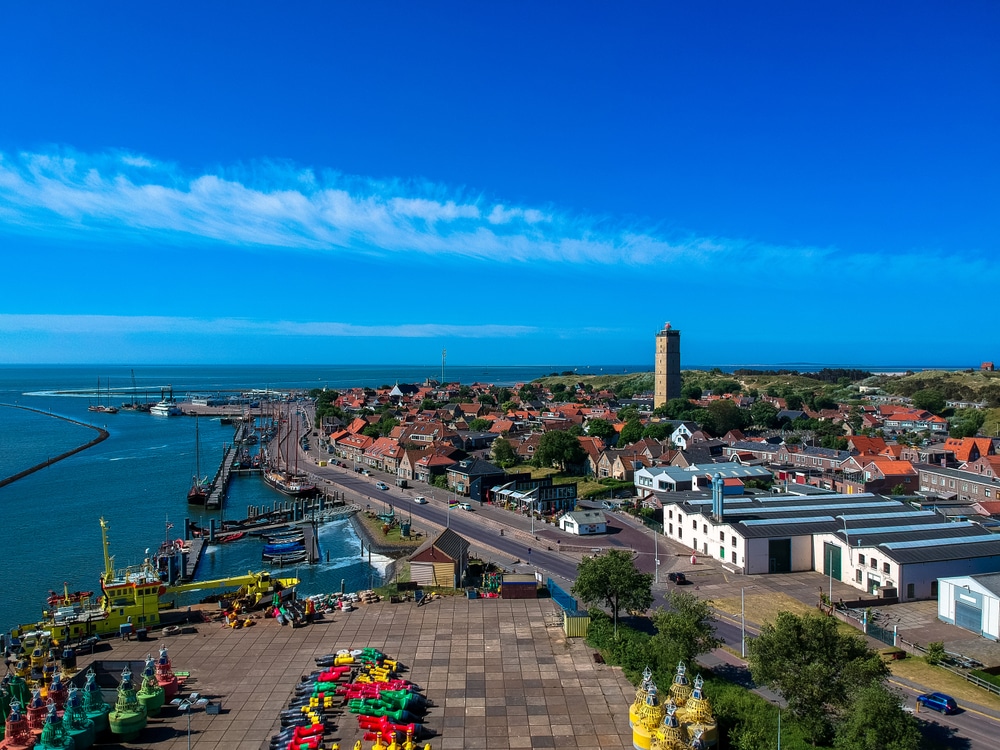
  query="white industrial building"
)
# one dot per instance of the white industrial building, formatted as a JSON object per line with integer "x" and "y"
{"x": 880, "y": 545}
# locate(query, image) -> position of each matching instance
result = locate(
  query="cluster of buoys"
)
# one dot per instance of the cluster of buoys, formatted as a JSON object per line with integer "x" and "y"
{"x": 389, "y": 708}
{"x": 57, "y": 722}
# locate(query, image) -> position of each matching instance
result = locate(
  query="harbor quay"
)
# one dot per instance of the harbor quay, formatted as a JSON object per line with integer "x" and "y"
{"x": 499, "y": 673}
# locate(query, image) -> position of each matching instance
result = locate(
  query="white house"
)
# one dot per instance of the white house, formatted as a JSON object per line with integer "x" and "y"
{"x": 583, "y": 522}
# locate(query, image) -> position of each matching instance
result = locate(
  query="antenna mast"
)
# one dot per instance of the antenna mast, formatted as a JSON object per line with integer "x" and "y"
{"x": 444, "y": 356}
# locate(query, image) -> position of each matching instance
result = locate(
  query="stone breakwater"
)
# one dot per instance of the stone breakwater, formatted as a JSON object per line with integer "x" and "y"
{"x": 102, "y": 435}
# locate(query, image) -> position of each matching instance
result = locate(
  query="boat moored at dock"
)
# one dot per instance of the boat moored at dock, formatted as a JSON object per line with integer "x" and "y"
{"x": 131, "y": 599}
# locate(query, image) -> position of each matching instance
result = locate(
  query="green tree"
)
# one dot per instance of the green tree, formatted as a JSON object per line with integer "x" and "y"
{"x": 601, "y": 428}
{"x": 875, "y": 720}
{"x": 428, "y": 404}
{"x": 793, "y": 401}
{"x": 559, "y": 448}
{"x": 855, "y": 419}
{"x": 528, "y": 392}
{"x": 935, "y": 652}
{"x": 631, "y": 432}
{"x": 764, "y": 414}
{"x": 627, "y": 413}
{"x": 440, "y": 480}
{"x": 479, "y": 425}
{"x": 658, "y": 430}
{"x": 723, "y": 416}
{"x": 814, "y": 666}
{"x": 929, "y": 399}
{"x": 503, "y": 453}
{"x": 612, "y": 580}
{"x": 684, "y": 630}
{"x": 692, "y": 391}
{"x": 487, "y": 399}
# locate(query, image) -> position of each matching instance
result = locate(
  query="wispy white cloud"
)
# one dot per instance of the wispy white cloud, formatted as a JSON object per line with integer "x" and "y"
{"x": 280, "y": 205}
{"x": 121, "y": 325}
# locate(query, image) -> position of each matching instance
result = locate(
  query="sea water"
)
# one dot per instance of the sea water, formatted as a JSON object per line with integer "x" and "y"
{"x": 138, "y": 478}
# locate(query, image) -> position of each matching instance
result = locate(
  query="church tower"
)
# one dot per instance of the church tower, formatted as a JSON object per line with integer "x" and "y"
{"x": 667, "y": 380}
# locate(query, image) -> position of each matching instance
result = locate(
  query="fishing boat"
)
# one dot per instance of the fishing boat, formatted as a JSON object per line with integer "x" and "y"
{"x": 135, "y": 404}
{"x": 293, "y": 485}
{"x": 100, "y": 407}
{"x": 131, "y": 597}
{"x": 288, "y": 558}
{"x": 201, "y": 487}
{"x": 61, "y": 600}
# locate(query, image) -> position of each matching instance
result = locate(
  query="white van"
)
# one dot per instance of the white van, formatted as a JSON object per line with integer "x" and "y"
{"x": 420, "y": 500}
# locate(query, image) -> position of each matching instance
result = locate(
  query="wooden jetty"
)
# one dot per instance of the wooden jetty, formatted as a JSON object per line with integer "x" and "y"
{"x": 195, "y": 547}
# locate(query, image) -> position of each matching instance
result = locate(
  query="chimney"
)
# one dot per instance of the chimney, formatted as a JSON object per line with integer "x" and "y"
{"x": 717, "y": 510}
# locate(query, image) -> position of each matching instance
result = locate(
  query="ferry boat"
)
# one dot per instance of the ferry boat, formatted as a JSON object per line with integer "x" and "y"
{"x": 165, "y": 409}
{"x": 131, "y": 597}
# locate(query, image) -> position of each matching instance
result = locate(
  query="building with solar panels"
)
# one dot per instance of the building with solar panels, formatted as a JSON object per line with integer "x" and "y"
{"x": 880, "y": 545}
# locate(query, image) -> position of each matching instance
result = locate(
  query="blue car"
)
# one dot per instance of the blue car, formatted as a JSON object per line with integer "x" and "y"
{"x": 938, "y": 702}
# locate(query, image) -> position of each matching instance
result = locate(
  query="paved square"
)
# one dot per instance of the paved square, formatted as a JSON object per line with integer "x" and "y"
{"x": 501, "y": 674}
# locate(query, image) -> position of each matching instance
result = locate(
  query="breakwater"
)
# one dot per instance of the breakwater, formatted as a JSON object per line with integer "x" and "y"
{"x": 102, "y": 435}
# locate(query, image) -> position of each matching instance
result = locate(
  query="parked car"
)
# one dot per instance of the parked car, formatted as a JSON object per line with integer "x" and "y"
{"x": 465, "y": 506}
{"x": 381, "y": 485}
{"x": 420, "y": 500}
{"x": 677, "y": 577}
{"x": 938, "y": 702}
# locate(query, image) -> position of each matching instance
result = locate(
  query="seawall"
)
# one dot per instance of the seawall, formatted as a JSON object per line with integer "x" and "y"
{"x": 102, "y": 435}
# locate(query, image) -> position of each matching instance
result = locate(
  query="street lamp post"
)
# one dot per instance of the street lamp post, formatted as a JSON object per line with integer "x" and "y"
{"x": 656, "y": 556}
{"x": 743, "y": 625}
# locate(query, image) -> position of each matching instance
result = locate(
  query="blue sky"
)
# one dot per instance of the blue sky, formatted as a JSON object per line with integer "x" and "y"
{"x": 522, "y": 183}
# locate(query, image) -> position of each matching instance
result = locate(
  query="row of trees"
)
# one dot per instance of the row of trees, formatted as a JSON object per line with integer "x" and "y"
{"x": 833, "y": 682}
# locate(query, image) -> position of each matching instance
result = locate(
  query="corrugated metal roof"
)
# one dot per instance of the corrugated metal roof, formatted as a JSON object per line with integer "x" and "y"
{"x": 917, "y": 543}
{"x": 912, "y": 527}
{"x": 774, "y": 521}
{"x": 874, "y": 516}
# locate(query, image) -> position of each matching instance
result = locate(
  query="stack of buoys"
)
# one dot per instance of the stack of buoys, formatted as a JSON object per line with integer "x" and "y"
{"x": 388, "y": 707}
{"x": 37, "y": 711}
{"x": 54, "y": 735}
{"x": 697, "y": 718}
{"x": 648, "y": 718}
{"x": 680, "y": 690}
{"x": 79, "y": 727}
{"x": 17, "y": 690}
{"x": 58, "y": 691}
{"x": 640, "y": 697}
{"x": 128, "y": 717}
{"x": 68, "y": 661}
{"x": 165, "y": 676}
{"x": 17, "y": 733}
{"x": 94, "y": 706}
{"x": 669, "y": 735}
{"x": 151, "y": 695}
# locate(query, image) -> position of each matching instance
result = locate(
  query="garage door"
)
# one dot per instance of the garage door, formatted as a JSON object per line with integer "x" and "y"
{"x": 968, "y": 617}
